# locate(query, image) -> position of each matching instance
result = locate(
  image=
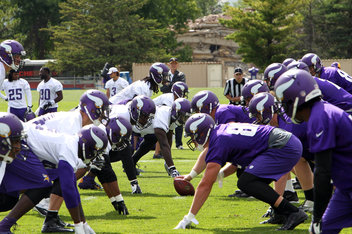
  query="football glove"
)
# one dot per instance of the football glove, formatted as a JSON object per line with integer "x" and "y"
{"x": 98, "y": 163}
{"x": 121, "y": 208}
{"x": 48, "y": 104}
{"x": 186, "y": 223}
{"x": 88, "y": 229}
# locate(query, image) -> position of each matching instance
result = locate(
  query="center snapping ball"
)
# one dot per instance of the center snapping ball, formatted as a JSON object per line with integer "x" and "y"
{"x": 183, "y": 187}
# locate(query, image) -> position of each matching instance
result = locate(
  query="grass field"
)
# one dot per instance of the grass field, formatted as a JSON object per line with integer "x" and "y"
{"x": 159, "y": 208}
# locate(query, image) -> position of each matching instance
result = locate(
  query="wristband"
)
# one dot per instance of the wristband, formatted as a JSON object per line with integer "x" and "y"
{"x": 193, "y": 174}
{"x": 119, "y": 198}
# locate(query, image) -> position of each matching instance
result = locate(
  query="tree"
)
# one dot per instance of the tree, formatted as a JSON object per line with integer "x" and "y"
{"x": 266, "y": 31}
{"x": 89, "y": 35}
{"x": 34, "y": 17}
{"x": 7, "y": 20}
{"x": 208, "y": 7}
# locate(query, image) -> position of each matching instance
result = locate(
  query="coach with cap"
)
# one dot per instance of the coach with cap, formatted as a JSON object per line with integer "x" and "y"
{"x": 233, "y": 87}
{"x": 174, "y": 76}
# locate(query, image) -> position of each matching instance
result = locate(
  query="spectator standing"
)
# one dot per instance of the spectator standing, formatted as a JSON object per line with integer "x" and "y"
{"x": 115, "y": 84}
{"x": 174, "y": 76}
{"x": 233, "y": 87}
{"x": 50, "y": 92}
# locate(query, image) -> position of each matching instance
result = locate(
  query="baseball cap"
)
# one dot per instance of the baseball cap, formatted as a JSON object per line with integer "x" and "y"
{"x": 112, "y": 69}
{"x": 238, "y": 70}
{"x": 173, "y": 59}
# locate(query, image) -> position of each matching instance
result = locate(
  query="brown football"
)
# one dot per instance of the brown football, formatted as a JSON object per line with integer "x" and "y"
{"x": 183, "y": 187}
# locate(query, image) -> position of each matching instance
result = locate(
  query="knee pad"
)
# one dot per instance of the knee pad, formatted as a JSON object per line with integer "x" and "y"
{"x": 56, "y": 188}
{"x": 106, "y": 175}
{"x": 36, "y": 195}
{"x": 7, "y": 202}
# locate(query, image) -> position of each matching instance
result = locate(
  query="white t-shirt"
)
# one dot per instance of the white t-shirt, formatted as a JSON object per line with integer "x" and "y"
{"x": 116, "y": 86}
{"x": 16, "y": 92}
{"x": 136, "y": 88}
{"x": 48, "y": 90}
{"x": 166, "y": 99}
{"x": 69, "y": 122}
{"x": 51, "y": 146}
{"x": 2, "y": 73}
{"x": 161, "y": 120}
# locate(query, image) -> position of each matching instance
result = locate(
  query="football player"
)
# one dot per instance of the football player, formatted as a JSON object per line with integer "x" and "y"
{"x": 116, "y": 84}
{"x": 332, "y": 74}
{"x": 10, "y": 57}
{"x": 17, "y": 89}
{"x": 158, "y": 73}
{"x": 165, "y": 121}
{"x": 267, "y": 153}
{"x": 50, "y": 92}
{"x": 328, "y": 128}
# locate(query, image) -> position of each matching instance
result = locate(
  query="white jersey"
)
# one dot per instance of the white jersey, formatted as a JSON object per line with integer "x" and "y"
{"x": 51, "y": 146}
{"x": 2, "y": 73}
{"x": 139, "y": 87}
{"x": 48, "y": 90}
{"x": 120, "y": 111}
{"x": 16, "y": 92}
{"x": 115, "y": 86}
{"x": 166, "y": 99}
{"x": 69, "y": 122}
{"x": 162, "y": 120}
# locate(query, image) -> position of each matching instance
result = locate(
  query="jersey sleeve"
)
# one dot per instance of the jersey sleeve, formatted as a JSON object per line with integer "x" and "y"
{"x": 162, "y": 119}
{"x": 58, "y": 86}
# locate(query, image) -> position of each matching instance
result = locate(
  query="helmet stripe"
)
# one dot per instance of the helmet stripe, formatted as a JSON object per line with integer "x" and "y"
{"x": 282, "y": 88}
{"x": 201, "y": 100}
{"x": 194, "y": 126}
{"x": 98, "y": 142}
{"x": 260, "y": 105}
{"x": 272, "y": 73}
{"x": 123, "y": 129}
{"x": 98, "y": 101}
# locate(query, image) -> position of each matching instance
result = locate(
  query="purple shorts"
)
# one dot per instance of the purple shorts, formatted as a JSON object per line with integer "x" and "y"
{"x": 19, "y": 112}
{"x": 338, "y": 214}
{"x": 49, "y": 110}
{"x": 22, "y": 175}
{"x": 275, "y": 162}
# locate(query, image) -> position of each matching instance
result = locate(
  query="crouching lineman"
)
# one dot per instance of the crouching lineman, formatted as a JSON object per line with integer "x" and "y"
{"x": 161, "y": 130}
{"x": 259, "y": 148}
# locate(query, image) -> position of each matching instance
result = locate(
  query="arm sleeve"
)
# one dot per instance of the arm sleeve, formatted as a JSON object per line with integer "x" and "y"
{"x": 68, "y": 184}
{"x": 322, "y": 185}
{"x": 27, "y": 90}
{"x": 2, "y": 96}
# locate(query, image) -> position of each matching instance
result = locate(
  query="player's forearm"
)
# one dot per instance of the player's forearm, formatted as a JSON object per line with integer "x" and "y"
{"x": 201, "y": 195}
{"x": 200, "y": 165}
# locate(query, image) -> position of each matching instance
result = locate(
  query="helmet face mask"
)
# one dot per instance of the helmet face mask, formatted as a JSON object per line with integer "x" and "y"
{"x": 142, "y": 111}
{"x": 11, "y": 52}
{"x": 198, "y": 127}
{"x": 159, "y": 72}
{"x": 92, "y": 143}
{"x": 11, "y": 134}
{"x": 96, "y": 105}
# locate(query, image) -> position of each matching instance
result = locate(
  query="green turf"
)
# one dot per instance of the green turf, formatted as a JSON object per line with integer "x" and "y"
{"x": 159, "y": 208}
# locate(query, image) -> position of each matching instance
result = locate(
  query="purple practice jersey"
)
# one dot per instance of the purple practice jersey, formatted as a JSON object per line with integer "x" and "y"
{"x": 338, "y": 77}
{"x": 238, "y": 143}
{"x": 329, "y": 127}
{"x": 231, "y": 113}
{"x": 300, "y": 131}
{"x": 335, "y": 95}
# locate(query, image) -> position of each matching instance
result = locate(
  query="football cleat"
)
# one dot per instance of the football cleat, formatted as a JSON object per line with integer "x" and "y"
{"x": 307, "y": 206}
{"x": 275, "y": 219}
{"x": 87, "y": 182}
{"x": 240, "y": 194}
{"x": 42, "y": 207}
{"x": 53, "y": 226}
{"x": 293, "y": 220}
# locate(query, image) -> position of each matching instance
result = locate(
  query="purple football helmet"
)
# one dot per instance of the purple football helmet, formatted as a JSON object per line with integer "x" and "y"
{"x": 119, "y": 131}
{"x": 180, "y": 89}
{"x": 262, "y": 107}
{"x": 8, "y": 51}
{"x": 96, "y": 105}
{"x": 11, "y": 131}
{"x": 180, "y": 111}
{"x": 92, "y": 143}
{"x": 198, "y": 127}
{"x": 288, "y": 61}
{"x": 159, "y": 72}
{"x": 298, "y": 64}
{"x": 294, "y": 88}
{"x": 336, "y": 64}
{"x": 272, "y": 73}
{"x": 142, "y": 111}
{"x": 253, "y": 87}
{"x": 204, "y": 102}
{"x": 312, "y": 60}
